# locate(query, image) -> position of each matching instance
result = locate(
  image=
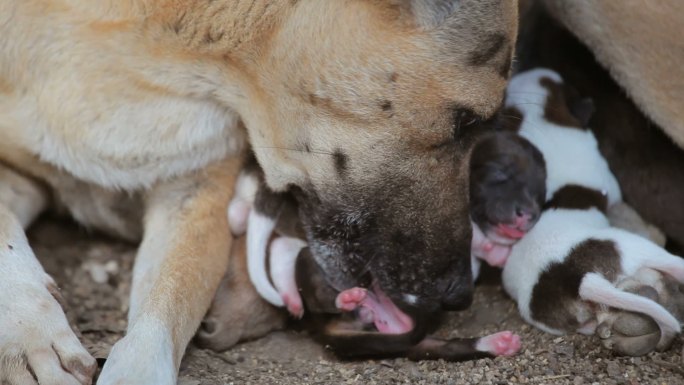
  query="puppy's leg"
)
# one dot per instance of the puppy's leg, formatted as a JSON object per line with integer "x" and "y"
{"x": 284, "y": 252}
{"x": 461, "y": 349}
{"x": 36, "y": 343}
{"x": 179, "y": 265}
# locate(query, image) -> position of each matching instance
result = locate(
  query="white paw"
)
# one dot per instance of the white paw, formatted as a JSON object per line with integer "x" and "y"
{"x": 143, "y": 357}
{"x": 36, "y": 342}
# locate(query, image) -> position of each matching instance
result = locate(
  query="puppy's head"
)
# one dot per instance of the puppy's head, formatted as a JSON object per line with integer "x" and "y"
{"x": 507, "y": 186}
{"x": 367, "y": 110}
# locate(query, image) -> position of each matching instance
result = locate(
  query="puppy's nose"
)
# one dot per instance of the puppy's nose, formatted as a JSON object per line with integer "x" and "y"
{"x": 525, "y": 217}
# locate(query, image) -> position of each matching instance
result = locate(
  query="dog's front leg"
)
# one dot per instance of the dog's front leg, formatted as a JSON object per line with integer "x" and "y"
{"x": 179, "y": 265}
{"x": 37, "y": 345}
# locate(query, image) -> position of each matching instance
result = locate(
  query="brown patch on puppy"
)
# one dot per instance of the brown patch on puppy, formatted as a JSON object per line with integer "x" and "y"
{"x": 555, "y": 300}
{"x": 577, "y": 197}
{"x": 556, "y": 110}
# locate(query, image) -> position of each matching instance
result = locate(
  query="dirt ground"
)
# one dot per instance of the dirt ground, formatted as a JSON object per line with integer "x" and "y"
{"x": 94, "y": 273}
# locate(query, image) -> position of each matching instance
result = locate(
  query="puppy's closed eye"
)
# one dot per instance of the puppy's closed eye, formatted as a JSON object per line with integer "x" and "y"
{"x": 498, "y": 176}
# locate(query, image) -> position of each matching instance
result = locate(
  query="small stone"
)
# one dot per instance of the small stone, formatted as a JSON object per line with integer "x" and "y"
{"x": 98, "y": 272}
{"x": 613, "y": 369}
{"x": 112, "y": 267}
{"x": 566, "y": 350}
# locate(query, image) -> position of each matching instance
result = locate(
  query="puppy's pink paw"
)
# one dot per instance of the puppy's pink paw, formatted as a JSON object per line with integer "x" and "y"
{"x": 497, "y": 255}
{"x": 350, "y": 299}
{"x": 294, "y": 305}
{"x": 500, "y": 344}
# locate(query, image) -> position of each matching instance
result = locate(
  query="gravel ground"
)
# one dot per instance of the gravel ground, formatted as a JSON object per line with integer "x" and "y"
{"x": 94, "y": 273}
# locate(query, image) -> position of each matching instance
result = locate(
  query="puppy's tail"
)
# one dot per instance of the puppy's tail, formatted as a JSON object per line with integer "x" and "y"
{"x": 597, "y": 289}
{"x": 259, "y": 230}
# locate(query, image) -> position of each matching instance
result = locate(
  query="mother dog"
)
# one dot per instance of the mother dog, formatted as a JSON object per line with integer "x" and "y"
{"x": 130, "y": 116}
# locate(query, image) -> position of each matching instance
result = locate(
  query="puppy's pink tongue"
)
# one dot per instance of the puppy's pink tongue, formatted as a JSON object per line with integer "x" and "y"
{"x": 376, "y": 307}
{"x": 510, "y": 231}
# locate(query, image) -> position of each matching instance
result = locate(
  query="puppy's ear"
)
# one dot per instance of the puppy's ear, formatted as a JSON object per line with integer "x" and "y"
{"x": 583, "y": 109}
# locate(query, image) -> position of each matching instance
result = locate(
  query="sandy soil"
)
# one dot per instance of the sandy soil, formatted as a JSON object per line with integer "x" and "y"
{"x": 94, "y": 273}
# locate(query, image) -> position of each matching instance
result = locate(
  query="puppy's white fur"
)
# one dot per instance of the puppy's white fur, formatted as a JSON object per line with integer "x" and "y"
{"x": 259, "y": 231}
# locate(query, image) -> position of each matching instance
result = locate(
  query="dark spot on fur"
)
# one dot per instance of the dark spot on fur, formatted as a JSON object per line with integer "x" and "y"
{"x": 577, "y": 197}
{"x": 313, "y": 99}
{"x": 505, "y": 68}
{"x": 10, "y": 247}
{"x": 341, "y": 160}
{"x": 386, "y": 105}
{"x": 555, "y": 298}
{"x": 511, "y": 119}
{"x": 307, "y": 148}
{"x": 489, "y": 48}
{"x": 179, "y": 24}
{"x": 210, "y": 38}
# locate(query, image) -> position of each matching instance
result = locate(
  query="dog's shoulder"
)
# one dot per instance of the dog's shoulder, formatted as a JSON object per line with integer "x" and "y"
{"x": 87, "y": 90}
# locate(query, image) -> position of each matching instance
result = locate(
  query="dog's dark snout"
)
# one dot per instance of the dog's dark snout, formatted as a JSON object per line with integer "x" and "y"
{"x": 458, "y": 296}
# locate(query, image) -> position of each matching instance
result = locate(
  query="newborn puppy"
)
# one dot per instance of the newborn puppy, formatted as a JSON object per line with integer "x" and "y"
{"x": 354, "y": 322}
{"x": 573, "y": 271}
{"x": 507, "y": 192}
{"x": 237, "y": 312}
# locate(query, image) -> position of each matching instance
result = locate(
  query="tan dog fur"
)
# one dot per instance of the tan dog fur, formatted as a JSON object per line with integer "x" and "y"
{"x": 640, "y": 43}
{"x": 108, "y": 106}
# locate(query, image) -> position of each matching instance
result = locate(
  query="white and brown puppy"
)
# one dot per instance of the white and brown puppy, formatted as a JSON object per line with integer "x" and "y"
{"x": 573, "y": 271}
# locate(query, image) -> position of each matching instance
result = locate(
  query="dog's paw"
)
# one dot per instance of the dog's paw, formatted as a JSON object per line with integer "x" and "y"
{"x": 36, "y": 341}
{"x": 143, "y": 357}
